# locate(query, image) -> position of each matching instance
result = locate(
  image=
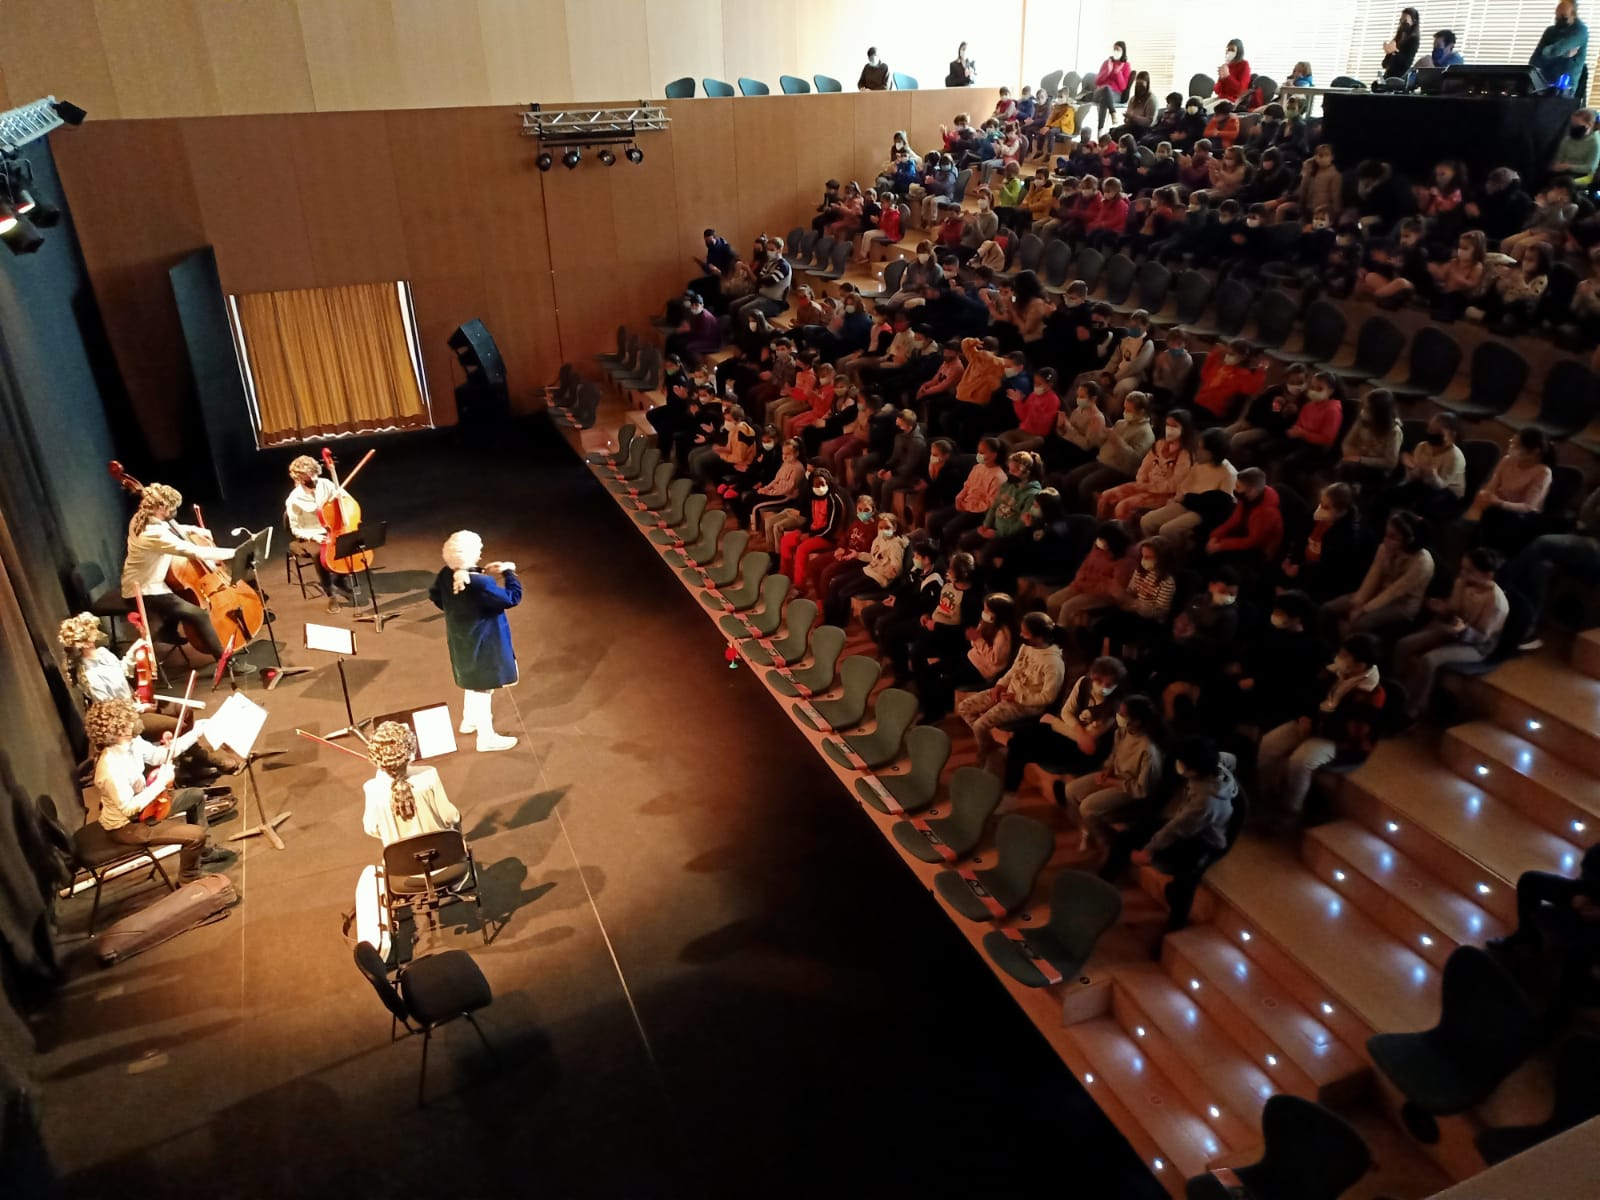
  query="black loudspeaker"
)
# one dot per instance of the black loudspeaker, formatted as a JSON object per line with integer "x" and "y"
{"x": 479, "y": 356}
{"x": 1494, "y": 79}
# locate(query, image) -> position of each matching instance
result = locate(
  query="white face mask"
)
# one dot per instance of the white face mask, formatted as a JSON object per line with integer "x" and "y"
{"x": 1085, "y": 401}
{"x": 1231, "y": 55}
{"x": 1102, "y": 690}
{"x": 1173, "y": 433}
{"x": 988, "y": 618}
{"x": 1253, "y": 222}
{"x": 1149, "y": 564}
{"x": 1319, "y": 223}
{"x": 1318, "y": 394}
{"x": 1122, "y": 720}
{"x": 1222, "y": 599}
{"x": 820, "y": 491}
{"x": 1231, "y": 359}
{"x": 1279, "y": 621}
{"x": 769, "y": 445}
{"x": 1323, "y": 513}
{"x": 1100, "y": 544}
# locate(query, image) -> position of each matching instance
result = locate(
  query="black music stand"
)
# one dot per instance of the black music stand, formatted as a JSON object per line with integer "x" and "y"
{"x": 371, "y": 536}
{"x": 254, "y": 549}
{"x": 329, "y": 641}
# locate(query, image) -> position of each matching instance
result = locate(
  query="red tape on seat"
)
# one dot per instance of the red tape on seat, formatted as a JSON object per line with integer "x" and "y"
{"x": 814, "y": 716}
{"x": 1042, "y": 965}
{"x": 969, "y": 876}
{"x": 889, "y": 802}
{"x": 940, "y": 846}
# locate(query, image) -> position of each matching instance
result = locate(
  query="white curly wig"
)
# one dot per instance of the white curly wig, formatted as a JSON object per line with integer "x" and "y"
{"x": 462, "y": 549}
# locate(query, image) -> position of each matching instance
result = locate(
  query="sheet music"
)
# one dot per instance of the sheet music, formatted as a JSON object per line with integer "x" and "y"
{"x": 236, "y": 724}
{"x": 436, "y": 731}
{"x": 333, "y": 639}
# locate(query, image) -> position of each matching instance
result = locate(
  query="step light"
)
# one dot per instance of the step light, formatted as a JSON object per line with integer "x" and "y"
{"x": 1483, "y": 889}
{"x": 1524, "y": 759}
{"x": 1138, "y": 1031}
{"x": 1158, "y": 1164}
{"x": 1426, "y": 941}
{"x": 1474, "y": 803}
{"x": 1327, "y": 1009}
{"x": 1481, "y": 769}
{"x": 1194, "y": 985}
{"x": 1214, "y": 1111}
{"x": 1244, "y": 935}
{"x": 1272, "y": 1060}
{"x": 1392, "y": 826}
{"x": 1338, "y": 876}
{"x": 1088, "y": 1077}
{"x": 1578, "y": 827}
{"x": 1534, "y": 726}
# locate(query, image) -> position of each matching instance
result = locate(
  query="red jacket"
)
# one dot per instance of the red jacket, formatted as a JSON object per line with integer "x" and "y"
{"x": 1257, "y": 526}
{"x": 889, "y": 223}
{"x": 1112, "y": 216}
{"x": 1319, "y": 421}
{"x": 1233, "y": 84}
{"x": 1220, "y": 383}
{"x": 1036, "y": 413}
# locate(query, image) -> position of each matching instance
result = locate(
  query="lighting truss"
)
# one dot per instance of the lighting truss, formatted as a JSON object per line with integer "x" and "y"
{"x": 19, "y": 126}
{"x": 593, "y": 126}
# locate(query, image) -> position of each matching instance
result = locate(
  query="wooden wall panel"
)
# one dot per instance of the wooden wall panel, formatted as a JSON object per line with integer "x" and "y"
{"x": 435, "y": 176}
{"x": 440, "y": 52}
{"x": 442, "y": 304}
{"x": 257, "y": 55}
{"x": 248, "y": 190}
{"x": 607, "y": 43}
{"x": 685, "y": 39}
{"x": 358, "y": 228}
{"x": 53, "y": 48}
{"x": 521, "y": 315}
{"x": 931, "y": 109}
{"x": 5, "y": 92}
{"x": 644, "y": 218}
{"x": 771, "y": 192}
{"x": 583, "y": 253}
{"x": 525, "y": 52}
{"x": 702, "y": 153}
{"x": 821, "y": 153}
{"x": 157, "y": 56}
{"x": 351, "y": 54}
{"x": 136, "y": 214}
{"x": 877, "y": 116}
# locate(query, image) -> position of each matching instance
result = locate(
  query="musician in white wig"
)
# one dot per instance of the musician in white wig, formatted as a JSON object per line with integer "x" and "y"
{"x": 477, "y": 631}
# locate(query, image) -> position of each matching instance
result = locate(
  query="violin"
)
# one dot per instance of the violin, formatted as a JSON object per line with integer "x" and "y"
{"x": 235, "y": 608}
{"x": 144, "y": 664}
{"x": 341, "y": 515}
{"x": 160, "y": 808}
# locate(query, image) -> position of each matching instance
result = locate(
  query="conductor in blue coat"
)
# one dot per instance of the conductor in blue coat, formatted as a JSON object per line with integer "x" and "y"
{"x": 477, "y": 631}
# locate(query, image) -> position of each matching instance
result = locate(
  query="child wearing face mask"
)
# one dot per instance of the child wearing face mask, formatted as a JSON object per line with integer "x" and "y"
{"x": 858, "y": 572}
{"x": 730, "y": 451}
{"x": 1435, "y": 471}
{"x": 1394, "y": 587}
{"x": 1371, "y": 450}
{"x": 1171, "y": 368}
{"x": 1508, "y": 505}
{"x": 1109, "y": 223}
{"x": 1121, "y": 454}
{"x": 778, "y": 494}
{"x": 1343, "y": 727}
{"x": 1014, "y": 498}
{"x": 1511, "y": 301}
{"x": 1204, "y": 638}
{"x": 1578, "y": 154}
{"x": 1226, "y": 379}
{"x": 1190, "y": 127}
{"x": 1035, "y": 413}
{"x": 1314, "y": 435}
{"x": 1101, "y": 578}
{"x": 882, "y": 230}
{"x": 1079, "y": 430}
{"x": 1127, "y": 780}
{"x": 1144, "y": 608}
{"x": 814, "y": 404}
{"x": 1465, "y": 628}
{"x": 822, "y": 520}
{"x": 1459, "y": 282}
{"x": 1165, "y": 121}
{"x": 762, "y": 465}
{"x": 1233, "y": 74}
{"x": 990, "y": 646}
{"x": 1160, "y": 474}
{"x": 1223, "y": 128}
{"x": 894, "y": 621}
{"x": 1032, "y": 682}
{"x": 1330, "y": 559}
{"x": 1204, "y": 498}
{"x": 1074, "y": 738}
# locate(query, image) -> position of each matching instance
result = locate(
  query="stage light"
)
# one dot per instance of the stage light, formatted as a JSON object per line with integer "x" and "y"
{"x": 571, "y": 159}
{"x": 635, "y": 155}
{"x": 18, "y": 233}
{"x": 545, "y": 161}
{"x": 608, "y": 158}
{"x": 69, "y": 112}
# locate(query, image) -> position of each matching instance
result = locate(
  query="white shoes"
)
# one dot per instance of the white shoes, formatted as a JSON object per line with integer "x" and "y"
{"x": 489, "y": 740}
{"x": 477, "y": 716}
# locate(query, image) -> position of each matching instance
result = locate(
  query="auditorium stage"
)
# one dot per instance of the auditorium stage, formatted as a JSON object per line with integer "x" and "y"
{"x": 714, "y": 977}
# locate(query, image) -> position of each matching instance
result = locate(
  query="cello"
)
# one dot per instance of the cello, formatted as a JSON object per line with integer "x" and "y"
{"x": 341, "y": 515}
{"x": 235, "y": 608}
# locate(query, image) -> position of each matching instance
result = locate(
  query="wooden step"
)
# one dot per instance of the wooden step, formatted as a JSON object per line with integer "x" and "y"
{"x": 1213, "y": 1072}
{"x": 1399, "y": 1166}
{"x": 1549, "y": 702}
{"x": 1473, "y": 841}
{"x": 1557, "y": 795}
{"x": 1335, "y": 960}
{"x": 1296, "y": 1049}
{"x": 1586, "y": 653}
{"x": 1417, "y": 907}
{"x": 1168, "y": 1132}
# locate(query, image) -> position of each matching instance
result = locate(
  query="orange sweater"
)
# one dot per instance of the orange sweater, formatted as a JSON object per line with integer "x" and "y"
{"x": 1220, "y": 383}
{"x": 983, "y": 374}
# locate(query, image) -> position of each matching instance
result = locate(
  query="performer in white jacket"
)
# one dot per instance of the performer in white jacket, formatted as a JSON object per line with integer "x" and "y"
{"x": 1026, "y": 690}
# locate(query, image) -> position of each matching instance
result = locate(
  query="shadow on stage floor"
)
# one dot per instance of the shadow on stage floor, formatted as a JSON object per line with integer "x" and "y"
{"x": 713, "y": 976}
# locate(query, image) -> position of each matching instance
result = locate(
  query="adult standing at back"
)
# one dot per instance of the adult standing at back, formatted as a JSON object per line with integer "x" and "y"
{"x": 1233, "y": 76}
{"x": 1400, "y": 51}
{"x": 963, "y": 71}
{"x": 1111, "y": 83}
{"x": 1564, "y": 48}
{"x": 1444, "y": 50}
{"x": 875, "y": 75}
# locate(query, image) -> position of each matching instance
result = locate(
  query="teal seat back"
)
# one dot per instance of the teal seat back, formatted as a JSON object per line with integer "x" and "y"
{"x": 717, "y": 87}
{"x": 753, "y": 87}
{"x": 753, "y": 569}
{"x": 704, "y": 548}
{"x": 894, "y": 710}
{"x": 797, "y": 619}
{"x": 793, "y": 85}
{"x": 688, "y": 525}
{"x": 929, "y": 749}
{"x": 974, "y": 796}
{"x": 904, "y": 83}
{"x": 827, "y": 83}
{"x": 732, "y": 549}
{"x": 1082, "y": 907}
{"x": 681, "y": 89}
{"x": 1023, "y": 846}
{"x": 677, "y": 493}
{"x": 858, "y": 674}
{"x": 826, "y": 643}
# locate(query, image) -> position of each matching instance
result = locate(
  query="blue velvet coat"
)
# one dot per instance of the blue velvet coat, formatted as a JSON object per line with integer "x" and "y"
{"x": 476, "y": 628}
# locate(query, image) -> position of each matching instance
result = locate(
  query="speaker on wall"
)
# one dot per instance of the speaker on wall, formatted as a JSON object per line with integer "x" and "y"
{"x": 479, "y": 356}
{"x": 483, "y": 397}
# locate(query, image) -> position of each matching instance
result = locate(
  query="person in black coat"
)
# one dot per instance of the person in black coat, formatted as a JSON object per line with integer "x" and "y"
{"x": 477, "y": 632}
{"x": 895, "y": 622}
{"x": 1275, "y": 670}
{"x": 1333, "y": 556}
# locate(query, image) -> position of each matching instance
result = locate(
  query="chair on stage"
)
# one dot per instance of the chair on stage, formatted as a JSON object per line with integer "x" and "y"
{"x": 91, "y": 594}
{"x": 93, "y": 851}
{"x": 296, "y": 559}
{"x": 431, "y": 991}
{"x": 424, "y": 873}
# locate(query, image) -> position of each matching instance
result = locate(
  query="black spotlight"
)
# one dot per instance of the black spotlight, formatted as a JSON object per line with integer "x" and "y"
{"x": 571, "y": 159}
{"x": 635, "y": 155}
{"x": 545, "y": 161}
{"x": 69, "y": 112}
{"x": 18, "y": 233}
{"x": 608, "y": 158}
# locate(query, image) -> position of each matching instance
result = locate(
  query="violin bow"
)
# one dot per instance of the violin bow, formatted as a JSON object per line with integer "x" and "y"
{"x": 177, "y": 732}
{"x": 333, "y": 745}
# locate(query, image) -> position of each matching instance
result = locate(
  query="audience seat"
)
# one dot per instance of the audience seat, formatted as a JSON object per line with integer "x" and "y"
{"x": 1201, "y": 85}
{"x": 1050, "y": 82}
{"x": 1022, "y": 848}
{"x": 753, "y": 87}
{"x": 774, "y": 589}
{"x": 892, "y": 274}
{"x": 661, "y": 480}
{"x": 717, "y": 87}
{"x": 974, "y": 796}
{"x": 1275, "y": 314}
{"x": 1054, "y": 267}
{"x": 1088, "y": 266}
{"x": 904, "y": 83}
{"x": 1150, "y": 289}
{"x": 793, "y": 85}
{"x": 1496, "y": 378}
{"x": 671, "y": 512}
{"x": 1435, "y": 359}
{"x": 1118, "y": 279}
{"x": 817, "y": 675}
{"x": 1577, "y": 1099}
{"x": 1082, "y": 908}
{"x": 703, "y": 549}
{"x": 681, "y": 89}
{"x": 1486, "y": 1028}
{"x": 638, "y": 471}
{"x": 827, "y": 83}
{"x": 1567, "y": 402}
{"x": 725, "y": 570}
{"x": 753, "y": 568}
{"x": 1309, "y": 1153}
{"x": 1322, "y": 334}
{"x": 916, "y": 788}
{"x": 1234, "y": 300}
{"x": 1378, "y": 346}
{"x": 894, "y": 710}
{"x": 1191, "y": 294}
{"x": 796, "y": 640}
{"x": 687, "y": 525}
{"x": 858, "y": 675}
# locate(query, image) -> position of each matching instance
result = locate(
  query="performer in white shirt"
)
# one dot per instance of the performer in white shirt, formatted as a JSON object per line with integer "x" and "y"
{"x": 154, "y": 538}
{"x": 306, "y": 530}
{"x": 403, "y": 799}
{"x": 120, "y": 777}
{"x": 100, "y": 675}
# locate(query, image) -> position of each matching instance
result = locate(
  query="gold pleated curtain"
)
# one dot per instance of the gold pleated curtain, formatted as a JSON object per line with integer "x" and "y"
{"x": 330, "y": 360}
